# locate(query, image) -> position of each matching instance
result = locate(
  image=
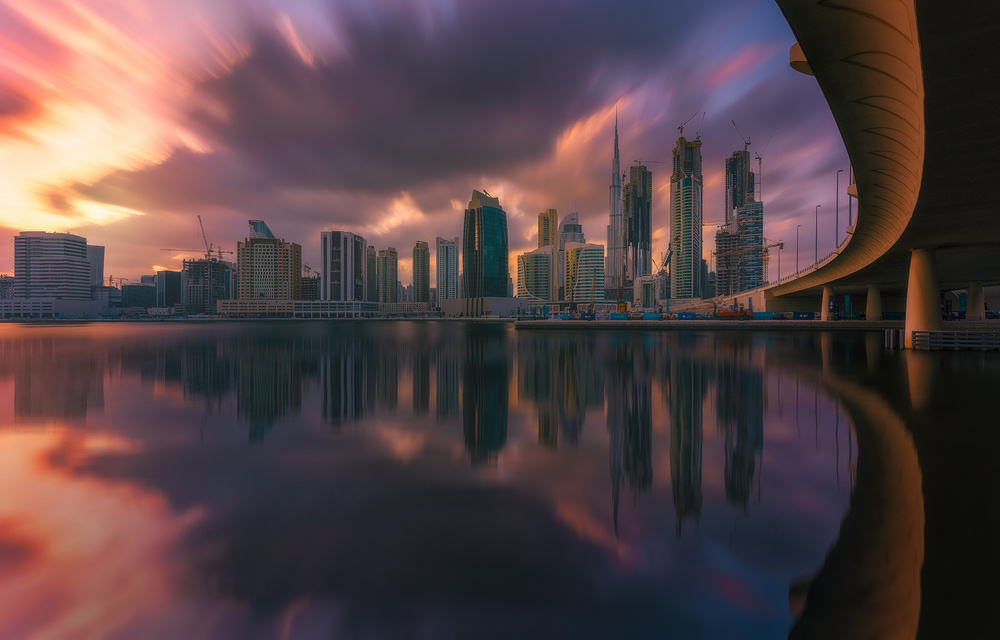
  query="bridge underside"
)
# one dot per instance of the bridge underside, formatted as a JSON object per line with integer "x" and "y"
{"x": 912, "y": 90}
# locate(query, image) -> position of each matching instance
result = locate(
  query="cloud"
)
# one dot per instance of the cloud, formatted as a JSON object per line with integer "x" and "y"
{"x": 375, "y": 118}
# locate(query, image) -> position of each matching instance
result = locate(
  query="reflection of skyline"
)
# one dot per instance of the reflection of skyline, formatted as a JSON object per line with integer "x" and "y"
{"x": 345, "y": 374}
{"x": 628, "y": 397}
{"x": 268, "y": 384}
{"x": 485, "y": 397}
{"x": 564, "y": 381}
{"x": 740, "y": 413}
{"x": 687, "y": 392}
{"x": 53, "y": 380}
{"x": 421, "y": 382}
{"x": 447, "y": 375}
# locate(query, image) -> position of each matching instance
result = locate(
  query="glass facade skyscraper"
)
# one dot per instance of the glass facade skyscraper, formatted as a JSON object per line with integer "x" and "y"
{"x": 447, "y": 269}
{"x": 421, "y": 272}
{"x": 638, "y": 221}
{"x": 485, "y": 272}
{"x": 685, "y": 220}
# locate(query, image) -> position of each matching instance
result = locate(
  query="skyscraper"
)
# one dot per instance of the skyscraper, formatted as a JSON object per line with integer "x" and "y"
{"x": 614, "y": 270}
{"x": 268, "y": 268}
{"x": 447, "y": 269}
{"x": 387, "y": 262}
{"x": 685, "y": 220}
{"x": 51, "y": 265}
{"x": 421, "y": 272}
{"x": 739, "y": 242}
{"x": 95, "y": 254}
{"x": 371, "y": 269}
{"x": 739, "y": 182}
{"x": 637, "y": 221}
{"x": 343, "y": 267}
{"x": 485, "y": 272}
{"x": 536, "y": 275}
{"x": 570, "y": 230}
{"x": 168, "y": 288}
{"x": 548, "y": 220}
{"x": 584, "y": 272}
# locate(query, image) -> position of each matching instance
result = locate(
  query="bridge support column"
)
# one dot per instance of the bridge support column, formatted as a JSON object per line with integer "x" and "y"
{"x": 873, "y": 306}
{"x": 975, "y": 302}
{"x": 825, "y": 313}
{"x": 923, "y": 298}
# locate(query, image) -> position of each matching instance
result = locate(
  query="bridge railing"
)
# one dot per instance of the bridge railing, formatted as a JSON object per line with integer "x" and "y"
{"x": 956, "y": 340}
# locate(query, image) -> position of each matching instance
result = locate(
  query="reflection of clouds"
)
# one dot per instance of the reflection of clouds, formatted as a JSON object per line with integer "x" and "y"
{"x": 94, "y": 562}
{"x": 388, "y": 549}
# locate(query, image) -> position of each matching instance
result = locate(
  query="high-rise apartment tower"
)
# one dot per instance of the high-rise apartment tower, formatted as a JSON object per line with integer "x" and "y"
{"x": 421, "y": 272}
{"x": 485, "y": 272}
{"x": 637, "y": 221}
{"x": 548, "y": 222}
{"x": 447, "y": 269}
{"x": 343, "y": 272}
{"x": 685, "y": 220}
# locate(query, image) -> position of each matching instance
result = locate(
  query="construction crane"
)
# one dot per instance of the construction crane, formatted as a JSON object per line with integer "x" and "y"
{"x": 645, "y": 162}
{"x": 664, "y": 259}
{"x": 746, "y": 140}
{"x": 208, "y": 246}
{"x": 760, "y": 167}
{"x": 681, "y": 128}
{"x": 765, "y": 255}
{"x": 307, "y": 269}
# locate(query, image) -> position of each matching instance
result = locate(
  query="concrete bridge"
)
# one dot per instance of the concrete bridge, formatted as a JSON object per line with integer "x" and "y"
{"x": 912, "y": 85}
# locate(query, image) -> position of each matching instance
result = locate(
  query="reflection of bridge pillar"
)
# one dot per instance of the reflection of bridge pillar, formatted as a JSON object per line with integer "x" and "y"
{"x": 873, "y": 306}
{"x": 923, "y": 306}
{"x": 975, "y": 302}
{"x": 921, "y": 376}
{"x": 825, "y": 313}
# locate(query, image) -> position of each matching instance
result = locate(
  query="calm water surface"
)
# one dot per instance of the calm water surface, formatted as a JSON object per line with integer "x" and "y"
{"x": 453, "y": 480}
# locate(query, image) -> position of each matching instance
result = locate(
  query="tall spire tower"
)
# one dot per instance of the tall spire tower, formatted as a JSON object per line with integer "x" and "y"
{"x": 614, "y": 270}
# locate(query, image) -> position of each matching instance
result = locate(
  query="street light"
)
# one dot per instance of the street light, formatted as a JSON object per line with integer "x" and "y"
{"x": 816, "y": 259}
{"x": 797, "y": 247}
{"x": 836, "y": 225}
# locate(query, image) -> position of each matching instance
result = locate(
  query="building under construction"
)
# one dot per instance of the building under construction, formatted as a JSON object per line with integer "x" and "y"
{"x": 739, "y": 242}
{"x": 203, "y": 283}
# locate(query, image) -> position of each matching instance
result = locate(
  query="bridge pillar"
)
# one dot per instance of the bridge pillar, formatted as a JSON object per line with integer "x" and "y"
{"x": 975, "y": 302}
{"x": 923, "y": 298}
{"x": 825, "y": 313}
{"x": 873, "y": 306}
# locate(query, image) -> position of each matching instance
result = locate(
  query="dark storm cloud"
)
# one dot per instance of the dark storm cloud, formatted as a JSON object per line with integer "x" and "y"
{"x": 482, "y": 91}
{"x": 479, "y": 91}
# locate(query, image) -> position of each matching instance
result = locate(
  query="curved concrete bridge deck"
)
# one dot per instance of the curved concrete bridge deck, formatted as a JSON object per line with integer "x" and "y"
{"x": 912, "y": 85}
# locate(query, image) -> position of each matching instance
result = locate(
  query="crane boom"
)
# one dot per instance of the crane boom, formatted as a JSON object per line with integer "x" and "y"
{"x": 208, "y": 247}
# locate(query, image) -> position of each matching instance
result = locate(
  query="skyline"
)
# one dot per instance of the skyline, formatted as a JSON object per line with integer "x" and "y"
{"x": 121, "y": 124}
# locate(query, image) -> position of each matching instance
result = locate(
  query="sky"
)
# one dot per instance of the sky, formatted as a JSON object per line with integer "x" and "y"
{"x": 122, "y": 121}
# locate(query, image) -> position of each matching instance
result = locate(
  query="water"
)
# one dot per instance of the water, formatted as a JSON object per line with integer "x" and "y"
{"x": 453, "y": 480}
